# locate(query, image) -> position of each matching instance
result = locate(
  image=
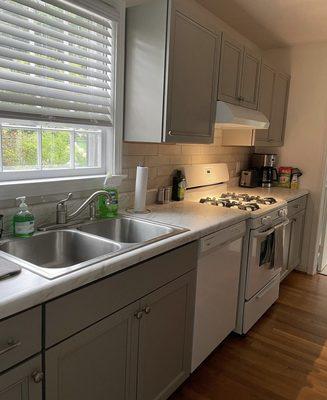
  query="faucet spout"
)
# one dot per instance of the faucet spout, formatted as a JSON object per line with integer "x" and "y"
{"x": 90, "y": 202}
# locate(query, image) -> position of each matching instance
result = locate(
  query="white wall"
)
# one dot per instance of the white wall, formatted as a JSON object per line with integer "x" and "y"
{"x": 306, "y": 130}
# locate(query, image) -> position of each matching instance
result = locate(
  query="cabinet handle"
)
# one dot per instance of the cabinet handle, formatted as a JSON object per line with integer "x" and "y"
{"x": 11, "y": 345}
{"x": 147, "y": 310}
{"x": 170, "y": 133}
{"x": 37, "y": 376}
{"x": 138, "y": 314}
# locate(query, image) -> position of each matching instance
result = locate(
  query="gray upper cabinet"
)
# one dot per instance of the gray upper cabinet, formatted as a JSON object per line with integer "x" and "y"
{"x": 230, "y": 71}
{"x": 23, "y": 382}
{"x": 250, "y": 79}
{"x": 273, "y": 100}
{"x": 165, "y": 339}
{"x": 239, "y": 74}
{"x": 96, "y": 363}
{"x": 171, "y": 75}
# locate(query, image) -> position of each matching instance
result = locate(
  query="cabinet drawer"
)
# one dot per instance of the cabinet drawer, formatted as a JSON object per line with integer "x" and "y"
{"x": 297, "y": 205}
{"x": 20, "y": 337}
{"x": 259, "y": 304}
{"x": 77, "y": 310}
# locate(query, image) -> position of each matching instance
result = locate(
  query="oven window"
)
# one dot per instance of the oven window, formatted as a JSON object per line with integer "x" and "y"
{"x": 267, "y": 250}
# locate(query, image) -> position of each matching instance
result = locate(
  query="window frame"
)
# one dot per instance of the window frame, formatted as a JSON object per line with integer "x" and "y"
{"x": 111, "y": 148}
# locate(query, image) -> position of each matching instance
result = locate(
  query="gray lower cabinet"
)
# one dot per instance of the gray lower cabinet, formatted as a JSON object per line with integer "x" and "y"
{"x": 171, "y": 75}
{"x": 297, "y": 224}
{"x": 165, "y": 339}
{"x": 140, "y": 352}
{"x": 239, "y": 74}
{"x": 294, "y": 236}
{"x": 273, "y": 101}
{"x": 97, "y": 363}
{"x": 23, "y": 382}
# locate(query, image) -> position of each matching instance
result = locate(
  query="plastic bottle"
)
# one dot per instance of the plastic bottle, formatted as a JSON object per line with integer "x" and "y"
{"x": 111, "y": 184}
{"x": 23, "y": 220}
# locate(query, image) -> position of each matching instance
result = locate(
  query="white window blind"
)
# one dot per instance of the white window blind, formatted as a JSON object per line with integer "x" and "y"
{"x": 56, "y": 60}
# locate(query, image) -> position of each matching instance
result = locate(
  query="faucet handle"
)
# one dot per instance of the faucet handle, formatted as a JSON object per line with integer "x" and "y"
{"x": 62, "y": 202}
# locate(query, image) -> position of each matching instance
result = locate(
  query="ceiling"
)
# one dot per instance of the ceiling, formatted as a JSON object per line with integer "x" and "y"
{"x": 274, "y": 23}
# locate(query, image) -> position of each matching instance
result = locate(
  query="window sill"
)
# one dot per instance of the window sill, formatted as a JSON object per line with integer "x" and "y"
{"x": 43, "y": 188}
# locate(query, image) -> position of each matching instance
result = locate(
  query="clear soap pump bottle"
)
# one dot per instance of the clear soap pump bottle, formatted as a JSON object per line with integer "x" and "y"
{"x": 23, "y": 220}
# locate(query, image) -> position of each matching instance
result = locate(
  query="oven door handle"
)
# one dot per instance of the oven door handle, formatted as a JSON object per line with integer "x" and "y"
{"x": 265, "y": 233}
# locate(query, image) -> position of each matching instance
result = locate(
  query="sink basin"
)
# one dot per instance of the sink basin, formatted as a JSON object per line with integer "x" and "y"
{"x": 51, "y": 252}
{"x": 129, "y": 230}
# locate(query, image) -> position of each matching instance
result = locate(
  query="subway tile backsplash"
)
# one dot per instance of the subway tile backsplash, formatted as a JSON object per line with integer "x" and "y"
{"x": 164, "y": 159}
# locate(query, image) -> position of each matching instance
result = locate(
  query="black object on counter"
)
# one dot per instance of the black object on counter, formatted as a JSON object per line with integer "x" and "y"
{"x": 179, "y": 186}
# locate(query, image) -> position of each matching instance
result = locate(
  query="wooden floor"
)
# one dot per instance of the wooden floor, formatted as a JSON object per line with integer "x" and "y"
{"x": 284, "y": 356}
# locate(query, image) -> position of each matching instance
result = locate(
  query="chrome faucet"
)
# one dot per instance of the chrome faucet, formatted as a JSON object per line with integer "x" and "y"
{"x": 62, "y": 211}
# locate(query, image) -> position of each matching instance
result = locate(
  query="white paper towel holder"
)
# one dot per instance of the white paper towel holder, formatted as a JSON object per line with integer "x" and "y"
{"x": 132, "y": 211}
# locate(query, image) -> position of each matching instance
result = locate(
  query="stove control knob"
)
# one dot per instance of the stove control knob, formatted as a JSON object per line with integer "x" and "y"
{"x": 266, "y": 220}
{"x": 282, "y": 213}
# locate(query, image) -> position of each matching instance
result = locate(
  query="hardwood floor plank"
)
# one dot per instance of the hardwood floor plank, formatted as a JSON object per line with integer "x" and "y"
{"x": 283, "y": 357}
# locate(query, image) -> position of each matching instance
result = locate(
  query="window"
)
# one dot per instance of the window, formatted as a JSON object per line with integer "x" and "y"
{"x": 57, "y": 86}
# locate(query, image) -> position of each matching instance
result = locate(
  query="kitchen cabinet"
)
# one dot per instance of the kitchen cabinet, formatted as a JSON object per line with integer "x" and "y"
{"x": 165, "y": 339}
{"x": 96, "y": 363}
{"x": 294, "y": 236}
{"x": 142, "y": 351}
{"x": 297, "y": 224}
{"x": 134, "y": 329}
{"x": 273, "y": 101}
{"x": 239, "y": 74}
{"x": 171, "y": 75}
{"x": 23, "y": 382}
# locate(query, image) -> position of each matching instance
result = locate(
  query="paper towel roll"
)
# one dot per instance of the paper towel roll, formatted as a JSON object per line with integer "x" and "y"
{"x": 141, "y": 186}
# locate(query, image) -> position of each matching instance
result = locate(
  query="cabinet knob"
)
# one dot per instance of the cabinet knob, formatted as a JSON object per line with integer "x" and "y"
{"x": 147, "y": 310}
{"x": 37, "y": 376}
{"x": 138, "y": 314}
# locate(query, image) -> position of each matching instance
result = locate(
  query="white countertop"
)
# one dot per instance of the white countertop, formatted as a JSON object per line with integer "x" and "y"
{"x": 29, "y": 289}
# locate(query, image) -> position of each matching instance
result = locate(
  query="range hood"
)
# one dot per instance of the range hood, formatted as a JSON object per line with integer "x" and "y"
{"x": 229, "y": 116}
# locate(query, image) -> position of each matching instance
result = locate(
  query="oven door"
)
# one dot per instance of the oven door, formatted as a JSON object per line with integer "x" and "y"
{"x": 261, "y": 260}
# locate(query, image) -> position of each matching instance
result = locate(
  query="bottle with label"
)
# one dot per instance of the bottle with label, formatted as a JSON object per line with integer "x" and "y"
{"x": 179, "y": 186}
{"x": 111, "y": 185}
{"x": 23, "y": 221}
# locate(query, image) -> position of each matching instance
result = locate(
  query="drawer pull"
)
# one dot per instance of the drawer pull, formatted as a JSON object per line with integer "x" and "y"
{"x": 147, "y": 310}
{"x": 11, "y": 345}
{"x": 138, "y": 314}
{"x": 37, "y": 376}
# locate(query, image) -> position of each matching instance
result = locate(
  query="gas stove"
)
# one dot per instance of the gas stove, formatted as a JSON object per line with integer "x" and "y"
{"x": 241, "y": 201}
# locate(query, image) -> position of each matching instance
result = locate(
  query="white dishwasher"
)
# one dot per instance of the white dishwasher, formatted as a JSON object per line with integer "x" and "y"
{"x": 218, "y": 277}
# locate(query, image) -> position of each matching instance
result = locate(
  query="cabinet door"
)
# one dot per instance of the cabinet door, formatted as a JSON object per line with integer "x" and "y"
{"x": 165, "y": 341}
{"x": 294, "y": 258}
{"x": 279, "y": 111}
{"x": 192, "y": 81}
{"x": 286, "y": 250}
{"x": 250, "y": 79}
{"x": 230, "y": 71}
{"x": 266, "y": 95}
{"x": 98, "y": 363}
{"x": 23, "y": 382}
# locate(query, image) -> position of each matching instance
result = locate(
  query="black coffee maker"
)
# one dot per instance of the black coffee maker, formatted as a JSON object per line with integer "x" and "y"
{"x": 265, "y": 164}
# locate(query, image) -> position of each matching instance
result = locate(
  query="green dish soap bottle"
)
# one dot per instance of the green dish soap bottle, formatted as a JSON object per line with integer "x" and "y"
{"x": 23, "y": 220}
{"x": 111, "y": 184}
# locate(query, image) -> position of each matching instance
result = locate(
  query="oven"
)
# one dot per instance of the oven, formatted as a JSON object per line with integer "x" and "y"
{"x": 265, "y": 256}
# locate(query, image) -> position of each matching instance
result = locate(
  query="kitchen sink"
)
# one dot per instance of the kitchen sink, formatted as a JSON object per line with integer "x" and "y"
{"x": 129, "y": 230}
{"x": 56, "y": 253}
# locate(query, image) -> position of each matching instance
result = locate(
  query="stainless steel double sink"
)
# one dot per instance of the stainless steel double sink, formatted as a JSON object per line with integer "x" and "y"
{"x": 58, "y": 252}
